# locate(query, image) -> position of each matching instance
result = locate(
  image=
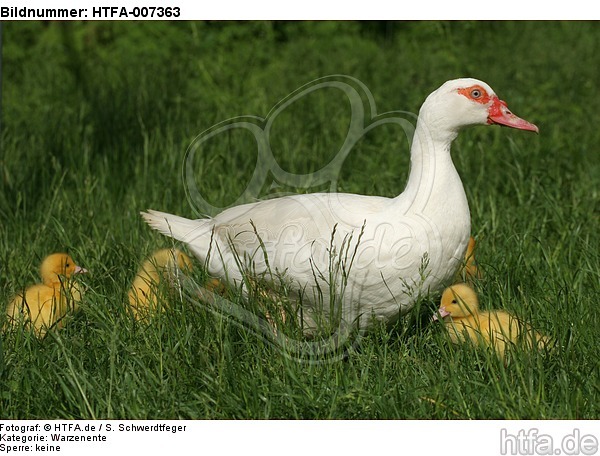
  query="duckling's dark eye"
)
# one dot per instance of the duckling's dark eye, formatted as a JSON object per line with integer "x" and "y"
{"x": 475, "y": 93}
{"x": 454, "y": 301}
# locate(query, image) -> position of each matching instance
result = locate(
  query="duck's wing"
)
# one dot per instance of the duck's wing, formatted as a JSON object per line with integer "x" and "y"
{"x": 292, "y": 233}
{"x": 180, "y": 228}
{"x": 299, "y": 218}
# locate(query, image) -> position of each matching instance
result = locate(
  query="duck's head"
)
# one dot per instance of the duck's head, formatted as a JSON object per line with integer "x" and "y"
{"x": 458, "y": 301}
{"x": 465, "y": 102}
{"x": 59, "y": 264}
{"x": 168, "y": 258}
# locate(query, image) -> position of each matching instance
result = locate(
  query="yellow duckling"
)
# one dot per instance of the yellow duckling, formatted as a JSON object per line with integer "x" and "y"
{"x": 44, "y": 305}
{"x": 163, "y": 265}
{"x": 495, "y": 328}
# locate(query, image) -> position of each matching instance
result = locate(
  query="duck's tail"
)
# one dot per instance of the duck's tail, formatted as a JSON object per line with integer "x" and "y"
{"x": 180, "y": 228}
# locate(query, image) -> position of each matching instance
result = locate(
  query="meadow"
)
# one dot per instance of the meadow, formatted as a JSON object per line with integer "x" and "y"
{"x": 96, "y": 121}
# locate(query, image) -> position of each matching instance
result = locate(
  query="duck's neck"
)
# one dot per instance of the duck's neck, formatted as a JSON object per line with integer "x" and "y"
{"x": 469, "y": 315}
{"x": 433, "y": 177}
{"x": 51, "y": 279}
{"x": 57, "y": 282}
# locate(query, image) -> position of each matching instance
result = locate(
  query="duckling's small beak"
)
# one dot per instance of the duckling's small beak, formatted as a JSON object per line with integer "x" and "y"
{"x": 80, "y": 270}
{"x": 441, "y": 313}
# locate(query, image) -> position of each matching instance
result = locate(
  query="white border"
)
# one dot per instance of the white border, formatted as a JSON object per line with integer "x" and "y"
{"x": 290, "y": 438}
{"x": 342, "y": 10}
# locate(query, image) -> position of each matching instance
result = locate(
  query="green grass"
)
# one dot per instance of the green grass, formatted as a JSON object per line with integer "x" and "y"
{"x": 96, "y": 121}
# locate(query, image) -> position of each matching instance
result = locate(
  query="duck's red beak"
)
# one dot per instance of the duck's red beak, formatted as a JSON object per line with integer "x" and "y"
{"x": 500, "y": 114}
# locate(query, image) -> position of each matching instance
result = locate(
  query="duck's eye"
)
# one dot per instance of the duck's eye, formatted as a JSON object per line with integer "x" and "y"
{"x": 475, "y": 93}
{"x": 454, "y": 301}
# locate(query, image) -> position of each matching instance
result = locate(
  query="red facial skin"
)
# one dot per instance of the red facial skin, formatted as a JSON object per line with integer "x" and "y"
{"x": 498, "y": 112}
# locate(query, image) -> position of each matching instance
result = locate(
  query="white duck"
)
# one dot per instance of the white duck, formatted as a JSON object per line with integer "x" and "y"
{"x": 354, "y": 259}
